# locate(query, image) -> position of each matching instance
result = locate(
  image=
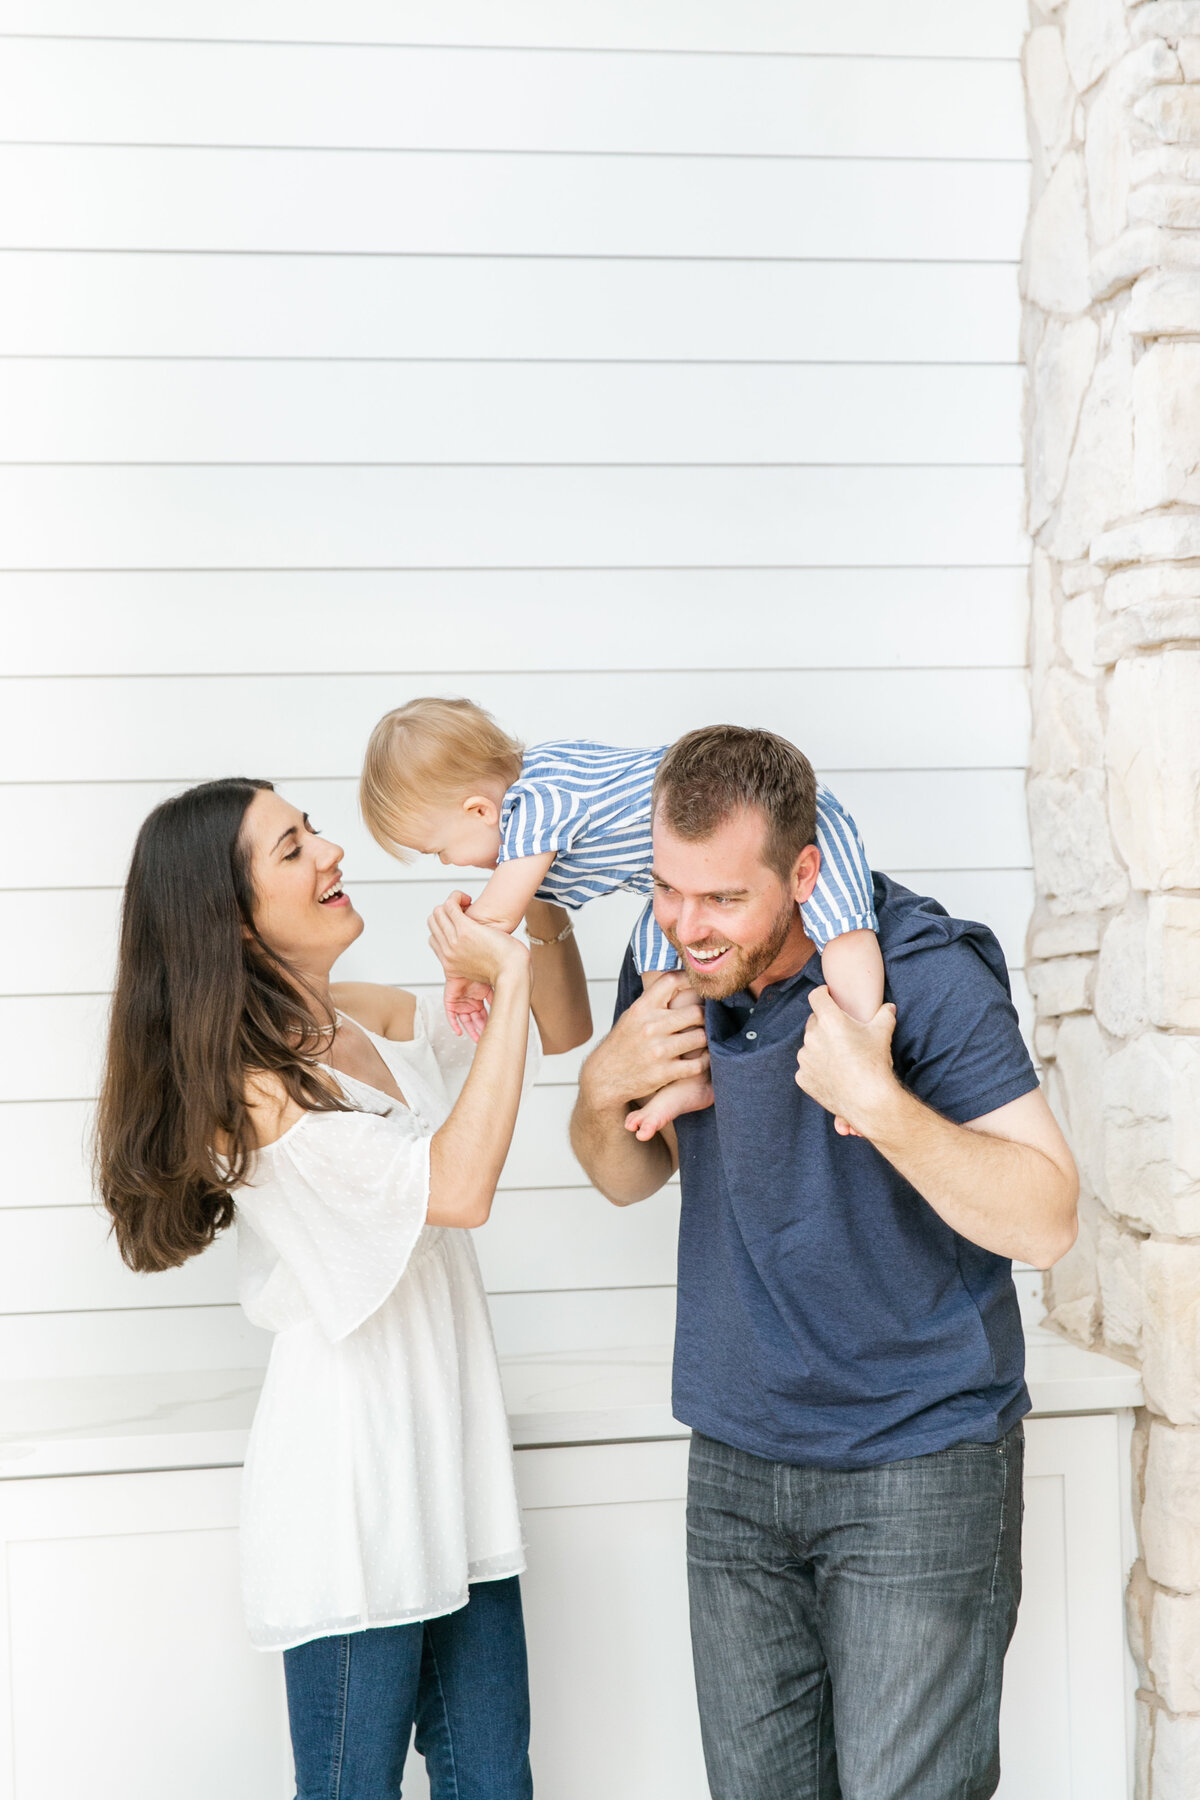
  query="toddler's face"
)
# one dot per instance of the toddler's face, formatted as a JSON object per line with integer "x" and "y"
{"x": 465, "y": 836}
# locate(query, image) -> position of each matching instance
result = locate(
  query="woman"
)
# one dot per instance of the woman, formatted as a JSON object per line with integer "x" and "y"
{"x": 381, "y": 1536}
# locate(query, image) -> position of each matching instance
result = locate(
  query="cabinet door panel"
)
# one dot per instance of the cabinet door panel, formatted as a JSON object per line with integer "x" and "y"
{"x": 1063, "y": 1721}
{"x": 125, "y": 1673}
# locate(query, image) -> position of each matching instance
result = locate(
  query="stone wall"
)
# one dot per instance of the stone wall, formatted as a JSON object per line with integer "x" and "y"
{"x": 1111, "y": 329}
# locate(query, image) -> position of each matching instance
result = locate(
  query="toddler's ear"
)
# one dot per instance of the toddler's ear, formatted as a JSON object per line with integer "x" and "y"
{"x": 483, "y": 808}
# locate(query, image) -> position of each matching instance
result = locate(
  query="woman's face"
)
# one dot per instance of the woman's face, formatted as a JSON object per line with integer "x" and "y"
{"x": 299, "y": 908}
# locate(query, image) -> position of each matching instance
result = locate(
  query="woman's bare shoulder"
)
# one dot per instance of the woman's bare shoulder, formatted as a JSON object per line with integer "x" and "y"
{"x": 272, "y": 1109}
{"x": 387, "y": 1011}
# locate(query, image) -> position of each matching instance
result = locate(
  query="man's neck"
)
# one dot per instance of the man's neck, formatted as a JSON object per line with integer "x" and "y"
{"x": 797, "y": 949}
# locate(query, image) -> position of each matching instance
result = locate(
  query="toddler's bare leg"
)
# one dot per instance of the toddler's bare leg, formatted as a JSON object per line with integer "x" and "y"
{"x": 691, "y": 1094}
{"x": 853, "y": 969}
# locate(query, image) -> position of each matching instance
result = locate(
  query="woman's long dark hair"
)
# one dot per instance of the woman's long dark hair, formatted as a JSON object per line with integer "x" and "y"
{"x": 201, "y": 1005}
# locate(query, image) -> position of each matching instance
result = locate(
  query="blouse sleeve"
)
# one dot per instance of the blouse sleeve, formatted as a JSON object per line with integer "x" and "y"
{"x": 342, "y": 1201}
{"x": 454, "y": 1055}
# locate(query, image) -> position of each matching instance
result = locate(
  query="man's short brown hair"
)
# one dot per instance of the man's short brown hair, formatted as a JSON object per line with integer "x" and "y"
{"x": 711, "y": 774}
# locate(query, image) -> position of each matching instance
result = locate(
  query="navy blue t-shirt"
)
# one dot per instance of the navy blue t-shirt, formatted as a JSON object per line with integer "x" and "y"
{"x": 827, "y": 1314}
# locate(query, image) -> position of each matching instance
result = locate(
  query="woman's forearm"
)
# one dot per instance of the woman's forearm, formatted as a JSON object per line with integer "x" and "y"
{"x": 467, "y": 1154}
{"x": 560, "y": 997}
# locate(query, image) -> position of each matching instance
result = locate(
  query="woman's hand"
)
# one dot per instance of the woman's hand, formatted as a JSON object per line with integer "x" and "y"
{"x": 471, "y": 951}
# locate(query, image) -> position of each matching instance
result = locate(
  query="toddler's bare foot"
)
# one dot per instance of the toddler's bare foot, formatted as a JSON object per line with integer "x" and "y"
{"x": 692, "y": 1094}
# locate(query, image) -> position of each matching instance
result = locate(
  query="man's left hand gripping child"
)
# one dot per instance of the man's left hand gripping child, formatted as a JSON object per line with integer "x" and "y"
{"x": 569, "y": 821}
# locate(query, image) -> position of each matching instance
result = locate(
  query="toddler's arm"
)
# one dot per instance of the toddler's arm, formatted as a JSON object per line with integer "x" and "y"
{"x": 510, "y": 889}
{"x": 502, "y": 903}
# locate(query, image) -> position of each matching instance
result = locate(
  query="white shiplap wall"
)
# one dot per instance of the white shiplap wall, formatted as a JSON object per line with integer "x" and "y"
{"x": 624, "y": 365}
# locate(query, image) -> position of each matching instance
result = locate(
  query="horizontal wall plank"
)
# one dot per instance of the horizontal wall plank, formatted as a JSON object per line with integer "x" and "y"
{"x": 62, "y": 1259}
{"x": 124, "y": 729}
{"x": 109, "y": 411}
{"x": 52, "y": 1046}
{"x": 49, "y": 1346}
{"x": 136, "y": 623}
{"x": 81, "y": 835}
{"x": 57, "y": 1346}
{"x": 591, "y": 1319}
{"x": 933, "y": 27}
{"x": 312, "y": 518}
{"x": 382, "y": 203}
{"x": 251, "y": 94}
{"x": 98, "y": 304}
{"x": 64, "y": 942}
{"x": 59, "y": 1259}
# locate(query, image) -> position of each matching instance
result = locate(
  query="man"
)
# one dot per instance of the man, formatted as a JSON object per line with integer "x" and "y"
{"x": 848, "y": 1350}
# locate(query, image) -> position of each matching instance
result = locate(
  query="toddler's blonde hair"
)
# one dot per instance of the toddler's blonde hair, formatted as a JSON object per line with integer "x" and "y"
{"x": 430, "y": 753}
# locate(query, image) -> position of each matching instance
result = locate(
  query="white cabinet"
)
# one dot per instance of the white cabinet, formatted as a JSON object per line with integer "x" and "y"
{"x": 125, "y": 1673}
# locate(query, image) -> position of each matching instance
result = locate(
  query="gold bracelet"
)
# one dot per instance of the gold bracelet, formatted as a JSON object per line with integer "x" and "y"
{"x": 538, "y": 943}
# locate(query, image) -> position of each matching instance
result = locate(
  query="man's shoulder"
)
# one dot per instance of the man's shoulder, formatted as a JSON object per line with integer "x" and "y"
{"x": 926, "y": 948}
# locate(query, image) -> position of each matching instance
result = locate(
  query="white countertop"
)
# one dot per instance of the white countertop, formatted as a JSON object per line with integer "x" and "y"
{"x": 99, "y": 1424}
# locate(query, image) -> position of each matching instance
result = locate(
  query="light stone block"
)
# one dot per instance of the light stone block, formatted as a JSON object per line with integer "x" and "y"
{"x": 1163, "y": 305}
{"x": 1074, "y": 577}
{"x": 1061, "y": 372}
{"x": 1156, "y": 581}
{"x": 1067, "y": 732}
{"x": 1073, "y": 1284}
{"x": 1188, "y": 51}
{"x": 1139, "y": 1597}
{"x": 1152, "y": 752}
{"x": 1100, "y": 471}
{"x": 1171, "y": 1330}
{"x": 1077, "y": 629}
{"x": 1166, "y": 424}
{"x": 1175, "y": 1650}
{"x": 1108, "y": 161}
{"x": 1175, "y": 1759}
{"x": 1076, "y": 1094}
{"x": 1145, "y": 1713}
{"x": 1173, "y": 961}
{"x": 1062, "y": 986}
{"x": 1148, "y": 628}
{"x": 1076, "y": 935}
{"x": 1072, "y": 844}
{"x": 1043, "y": 622}
{"x": 1096, "y": 35}
{"x": 1119, "y": 1275}
{"x": 1172, "y": 112}
{"x": 1167, "y": 204}
{"x": 1056, "y": 262}
{"x": 1165, "y": 18}
{"x": 1151, "y": 1097}
{"x": 1049, "y": 93}
{"x": 1045, "y": 1038}
{"x": 1121, "y": 975}
{"x": 1170, "y": 1540}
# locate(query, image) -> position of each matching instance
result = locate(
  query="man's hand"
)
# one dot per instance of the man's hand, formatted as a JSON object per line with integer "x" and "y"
{"x": 651, "y": 1044}
{"x": 846, "y": 1066}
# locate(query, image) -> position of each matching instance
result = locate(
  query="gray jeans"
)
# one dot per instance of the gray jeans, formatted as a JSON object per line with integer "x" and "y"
{"x": 849, "y": 1627}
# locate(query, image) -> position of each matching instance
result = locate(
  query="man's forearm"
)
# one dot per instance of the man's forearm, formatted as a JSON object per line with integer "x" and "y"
{"x": 1008, "y": 1197}
{"x": 623, "y": 1169}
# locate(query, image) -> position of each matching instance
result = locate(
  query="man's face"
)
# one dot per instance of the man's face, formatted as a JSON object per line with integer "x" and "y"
{"x": 730, "y": 916}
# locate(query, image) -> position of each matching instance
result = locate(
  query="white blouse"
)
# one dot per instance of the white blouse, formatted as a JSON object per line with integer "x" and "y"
{"x": 379, "y": 1476}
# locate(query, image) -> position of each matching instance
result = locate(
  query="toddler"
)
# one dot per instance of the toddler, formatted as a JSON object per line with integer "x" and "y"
{"x": 566, "y": 822}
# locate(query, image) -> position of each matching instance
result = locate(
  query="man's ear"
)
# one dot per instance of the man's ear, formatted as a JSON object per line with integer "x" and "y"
{"x": 804, "y": 876}
{"x": 483, "y": 808}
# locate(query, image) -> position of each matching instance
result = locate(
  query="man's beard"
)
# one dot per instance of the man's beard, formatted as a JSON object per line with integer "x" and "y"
{"x": 744, "y": 965}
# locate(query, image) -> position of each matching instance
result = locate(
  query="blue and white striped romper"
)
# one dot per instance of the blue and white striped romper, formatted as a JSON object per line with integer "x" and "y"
{"x": 590, "y": 805}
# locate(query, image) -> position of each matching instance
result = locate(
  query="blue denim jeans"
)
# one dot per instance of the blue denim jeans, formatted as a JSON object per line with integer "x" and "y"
{"x": 849, "y": 1627}
{"x": 462, "y": 1679}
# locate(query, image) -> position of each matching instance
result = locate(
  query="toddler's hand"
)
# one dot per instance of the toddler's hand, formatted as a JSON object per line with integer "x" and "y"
{"x": 466, "y": 1003}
